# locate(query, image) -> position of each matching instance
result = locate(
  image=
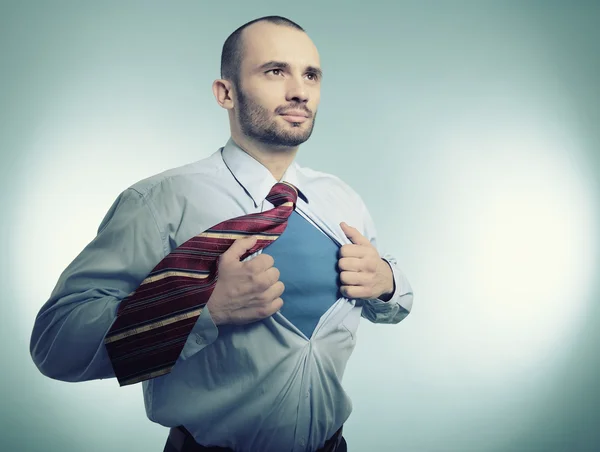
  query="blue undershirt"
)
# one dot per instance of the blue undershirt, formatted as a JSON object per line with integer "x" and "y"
{"x": 307, "y": 262}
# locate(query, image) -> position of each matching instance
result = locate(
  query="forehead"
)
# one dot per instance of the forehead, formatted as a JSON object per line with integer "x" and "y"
{"x": 264, "y": 41}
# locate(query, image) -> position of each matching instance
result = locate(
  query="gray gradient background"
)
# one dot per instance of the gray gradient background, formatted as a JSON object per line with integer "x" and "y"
{"x": 471, "y": 131}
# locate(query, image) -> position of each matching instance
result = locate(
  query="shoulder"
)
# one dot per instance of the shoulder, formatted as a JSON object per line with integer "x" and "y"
{"x": 320, "y": 181}
{"x": 180, "y": 178}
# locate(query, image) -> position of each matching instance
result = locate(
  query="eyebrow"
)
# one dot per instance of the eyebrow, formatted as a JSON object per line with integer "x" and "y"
{"x": 283, "y": 65}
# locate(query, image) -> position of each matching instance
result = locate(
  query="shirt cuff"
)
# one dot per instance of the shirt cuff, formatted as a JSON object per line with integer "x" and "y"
{"x": 204, "y": 333}
{"x": 401, "y": 288}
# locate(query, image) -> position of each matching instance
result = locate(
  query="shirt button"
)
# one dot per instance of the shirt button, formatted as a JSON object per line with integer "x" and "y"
{"x": 307, "y": 393}
{"x": 302, "y": 442}
{"x": 199, "y": 339}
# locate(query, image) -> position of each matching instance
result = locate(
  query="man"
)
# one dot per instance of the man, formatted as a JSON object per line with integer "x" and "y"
{"x": 262, "y": 368}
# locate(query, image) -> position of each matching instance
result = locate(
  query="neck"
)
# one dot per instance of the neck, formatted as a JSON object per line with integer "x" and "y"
{"x": 276, "y": 159}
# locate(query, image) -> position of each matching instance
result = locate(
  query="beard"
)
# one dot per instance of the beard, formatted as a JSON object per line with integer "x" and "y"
{"x": 257, "y": 122}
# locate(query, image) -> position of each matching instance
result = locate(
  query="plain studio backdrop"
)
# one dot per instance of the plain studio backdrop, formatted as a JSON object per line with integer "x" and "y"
{"x": 470, "y": 130}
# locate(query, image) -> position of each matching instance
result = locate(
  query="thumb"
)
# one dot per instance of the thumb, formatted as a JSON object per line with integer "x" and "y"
{"x": 239, "y": 247}
{"x": 348, "y": 230}
{"x": 354, "y": 235}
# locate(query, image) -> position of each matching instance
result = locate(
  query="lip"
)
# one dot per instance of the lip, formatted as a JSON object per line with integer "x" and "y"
{"x": 295, "y": 116}
{"x": 295, "y": 113}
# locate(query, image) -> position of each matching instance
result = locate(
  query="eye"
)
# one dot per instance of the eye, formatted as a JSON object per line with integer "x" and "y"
{"x": 275, "y": 71}
{"x": 314, "y": 76}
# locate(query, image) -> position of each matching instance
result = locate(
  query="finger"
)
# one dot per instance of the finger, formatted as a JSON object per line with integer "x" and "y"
{"x": 252, "y": 314}
{"x": 352, "y": 251}
{"x": 354, "y": 235}
{"x": 266, "y": 279}
{"x": 354, "y": 279}
{"x": 352, "y": 264}
{"x": 239, "y": 247}
{"x": 354, "y": 291}
{"x": 277, "y": 304}
{"x": 272, "y": 275}
{"x": 273, "y": 307}
{"x": 260, "y": 263}
{"x": 272, "y": 293}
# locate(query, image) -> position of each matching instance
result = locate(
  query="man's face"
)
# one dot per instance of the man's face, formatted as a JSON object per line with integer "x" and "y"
{"x": 279, "y": 85}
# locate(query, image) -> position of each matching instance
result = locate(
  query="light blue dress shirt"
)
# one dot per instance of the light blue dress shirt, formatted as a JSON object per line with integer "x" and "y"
{"x": 262, "y": 386}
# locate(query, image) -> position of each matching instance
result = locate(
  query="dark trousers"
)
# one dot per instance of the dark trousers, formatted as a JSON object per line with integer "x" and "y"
{"x": 190, "y": 445}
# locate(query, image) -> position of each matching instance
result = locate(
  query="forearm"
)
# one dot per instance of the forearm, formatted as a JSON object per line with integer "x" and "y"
{"x": 67, "y": 342}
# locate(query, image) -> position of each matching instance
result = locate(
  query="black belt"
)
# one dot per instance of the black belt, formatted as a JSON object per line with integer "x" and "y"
{"x": 183, "y": 441}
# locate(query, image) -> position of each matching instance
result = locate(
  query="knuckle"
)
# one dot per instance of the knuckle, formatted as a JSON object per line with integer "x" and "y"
{"x": 264, "y": 283}
{"x": 255, "y": 278}
{"x": 264, "y": 298}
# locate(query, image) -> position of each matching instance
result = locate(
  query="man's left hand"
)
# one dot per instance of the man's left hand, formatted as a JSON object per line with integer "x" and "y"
{"x": 363, "y": 273}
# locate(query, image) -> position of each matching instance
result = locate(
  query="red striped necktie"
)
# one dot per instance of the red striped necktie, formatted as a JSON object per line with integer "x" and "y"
{"x": 154, "y": 321}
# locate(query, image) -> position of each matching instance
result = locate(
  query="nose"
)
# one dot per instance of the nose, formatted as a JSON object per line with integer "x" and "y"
{"x": 297, "y": 90}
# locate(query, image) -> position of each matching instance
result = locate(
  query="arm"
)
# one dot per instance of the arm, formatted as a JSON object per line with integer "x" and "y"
{"x": 395, "y": 306}
{"x": 67, "y": 342}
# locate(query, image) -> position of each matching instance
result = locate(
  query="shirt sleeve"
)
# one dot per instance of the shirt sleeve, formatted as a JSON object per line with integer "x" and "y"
{"x": 400, "y": 304}
{"x": 67, "y": 342}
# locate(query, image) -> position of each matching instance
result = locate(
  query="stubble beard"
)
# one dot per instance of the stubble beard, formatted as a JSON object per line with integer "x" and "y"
{"x": 257, "y": 123}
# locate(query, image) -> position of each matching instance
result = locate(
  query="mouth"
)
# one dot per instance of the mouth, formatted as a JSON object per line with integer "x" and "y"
{"x": 295, "y": 116}
{"x": 290, "y": 118}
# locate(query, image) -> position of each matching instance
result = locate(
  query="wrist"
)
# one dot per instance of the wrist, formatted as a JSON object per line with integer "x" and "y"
{"x": 214, "y": 314}
{"x": 390, "y": 284}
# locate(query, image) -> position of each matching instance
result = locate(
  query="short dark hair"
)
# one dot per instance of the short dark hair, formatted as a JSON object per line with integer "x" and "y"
{"x": 231, "y": 56}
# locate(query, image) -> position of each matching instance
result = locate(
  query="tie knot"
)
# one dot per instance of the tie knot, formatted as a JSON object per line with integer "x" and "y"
{"x": 281, "y": 193}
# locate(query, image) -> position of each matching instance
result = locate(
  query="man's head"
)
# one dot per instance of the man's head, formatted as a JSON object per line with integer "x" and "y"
{"x": 270, "y": 69}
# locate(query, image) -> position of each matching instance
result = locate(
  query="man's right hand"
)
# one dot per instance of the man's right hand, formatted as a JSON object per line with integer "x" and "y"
{"x": 245, "y": 291}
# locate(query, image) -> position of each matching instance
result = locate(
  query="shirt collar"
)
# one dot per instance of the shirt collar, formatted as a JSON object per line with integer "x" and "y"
{"x": 253, "y": 176}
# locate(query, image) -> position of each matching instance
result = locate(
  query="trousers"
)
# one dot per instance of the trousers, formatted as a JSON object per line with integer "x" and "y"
{"x": 180, "y": 440}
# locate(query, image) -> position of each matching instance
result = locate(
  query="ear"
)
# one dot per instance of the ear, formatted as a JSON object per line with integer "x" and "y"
{"x": 222, "y": 90}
